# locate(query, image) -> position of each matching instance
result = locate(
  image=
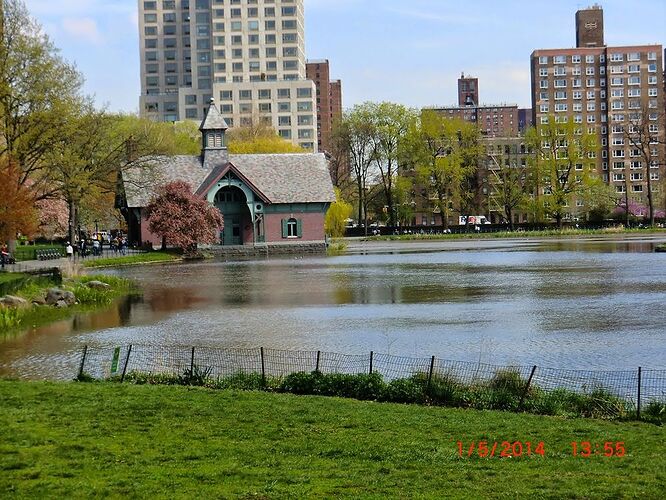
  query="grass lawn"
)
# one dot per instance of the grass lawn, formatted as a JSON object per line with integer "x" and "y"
{"x": 63, "y": 440}
{"x": 142, "y": 258}
{"x": 545, "y": 233}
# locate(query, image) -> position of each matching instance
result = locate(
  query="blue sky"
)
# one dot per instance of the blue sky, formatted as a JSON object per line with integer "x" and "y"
{"x": 410, "y": 52}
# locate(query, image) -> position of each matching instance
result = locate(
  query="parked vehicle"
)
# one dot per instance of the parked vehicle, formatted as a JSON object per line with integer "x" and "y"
{"x": 472, "y": 219}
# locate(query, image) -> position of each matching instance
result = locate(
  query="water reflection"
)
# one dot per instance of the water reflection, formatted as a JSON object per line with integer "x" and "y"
{"x": 572, "y": 304}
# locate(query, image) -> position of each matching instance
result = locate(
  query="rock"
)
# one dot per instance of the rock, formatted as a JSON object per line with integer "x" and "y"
{"x": 39, "y": 301}
{"x": 54, "y": 295}
{"x": 61, "y": 304}
{"x": 98, "y": 285}
{"x": 12, "y": 301}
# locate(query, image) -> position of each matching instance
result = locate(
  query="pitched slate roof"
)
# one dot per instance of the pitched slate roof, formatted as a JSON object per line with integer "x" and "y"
{"x": 279, "y": 178}
{"x": 213, "y": 119}
{"x": 288, "y": 178}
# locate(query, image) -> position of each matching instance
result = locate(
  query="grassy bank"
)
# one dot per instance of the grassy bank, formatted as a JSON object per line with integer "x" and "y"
{"x": 93, "y": 440}
{"x": 546, "y": 233}
{"x": 128, "y": 260}
{"x": 88, "y": 299}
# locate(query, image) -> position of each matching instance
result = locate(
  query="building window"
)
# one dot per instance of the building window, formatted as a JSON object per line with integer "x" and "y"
{"x": 292, "y": 228}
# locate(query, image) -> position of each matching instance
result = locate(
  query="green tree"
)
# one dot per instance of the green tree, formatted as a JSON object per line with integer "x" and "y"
{"x": 390, "y": 124}
{"x": 563, "y": 171}
{"x": 259, "y": 138}
{"x": 445, "y": 153}
{"x": 354, "y": 134}
{"x": 509, "y": 189}
{"x": 337, "y": 215}
{"x": 39, "y": 92}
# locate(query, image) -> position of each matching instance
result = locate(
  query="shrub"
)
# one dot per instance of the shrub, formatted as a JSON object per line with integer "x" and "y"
{"x": 301, "y": 383}
{"x": 240, "y": 381}
{"x": 405, "y": 390}
{"x": 508, "y": 380}
{"x": 656, "y": 411}
{"x": 10, "y": 317}
{"x": 196, "y": 375}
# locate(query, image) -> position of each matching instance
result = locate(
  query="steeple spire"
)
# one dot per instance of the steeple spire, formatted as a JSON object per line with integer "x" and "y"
{"x": 213, "y": 128}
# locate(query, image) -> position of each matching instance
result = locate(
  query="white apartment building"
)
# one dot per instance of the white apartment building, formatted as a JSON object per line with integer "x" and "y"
{"x": 249, "y": 55}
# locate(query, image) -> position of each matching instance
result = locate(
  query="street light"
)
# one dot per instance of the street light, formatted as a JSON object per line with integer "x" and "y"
{"x": 96, "y": 229}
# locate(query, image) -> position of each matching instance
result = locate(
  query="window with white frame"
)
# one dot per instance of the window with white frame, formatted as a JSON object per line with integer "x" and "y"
{"x": 634, "y": 80}
{"x": 543, "y": 108}
{"x": 560, "y": 107}
{"x": 591, "y": 118}
{"x": 618, "y": 165}
{"x": 652, "y": 79}
{"x": 617, "y": 92}
{"x": 589, "y": 70}
{"x": 589, "y": 58}
{"x": 590, "y": 82}
{"x": 560, "y": 83}
{"x": 617, "y": 105}
{"x": 577, "y": 107}
{"x": 652, "y": 56}
{"x": 617, "y": 80}
{"x": 636, "y": 176}
{"x": 616, "y": 69}
{"x": 561, "y": 94}
{"x": 591, "y": 106}
{"x": 634, "y": 68}
{"x": 617, "y": 57}
{"x": 543, "y": 59}
{"x": 575, "y": 59}
{"x": 577, "y": 94}
{"x": 543, "y": 71}
{"x": 543, "y": 84}
{"x": 559, "y": 59}
{"x": 575, "y": 70}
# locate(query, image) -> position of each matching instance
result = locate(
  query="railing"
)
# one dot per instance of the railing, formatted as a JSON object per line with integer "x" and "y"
{"x": 635, "y": 388}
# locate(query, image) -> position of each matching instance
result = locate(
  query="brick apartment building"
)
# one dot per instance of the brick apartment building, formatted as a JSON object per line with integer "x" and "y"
{"x": 328, "y": 100}
{"x": 607, "y": 90}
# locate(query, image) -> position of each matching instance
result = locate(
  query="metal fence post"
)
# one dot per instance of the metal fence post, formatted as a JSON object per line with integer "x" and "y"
{"x": 192, "y": 362}
{"x": 129, "y": 351}
{"x": 263, "y": 367}
{"x": 83, "y": 360}
{"x": 317, "y": 365}
{"x": 638, "y": 403}
{"x": 527, "y": 387}
{"x": 372, "y": 354}
{"x": 432, "y": 367}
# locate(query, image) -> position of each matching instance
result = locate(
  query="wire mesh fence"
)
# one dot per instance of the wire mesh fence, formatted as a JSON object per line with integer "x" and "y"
{"x": 633, "y": 387}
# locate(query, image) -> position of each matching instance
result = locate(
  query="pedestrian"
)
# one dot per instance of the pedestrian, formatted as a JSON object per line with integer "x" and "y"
{"x": 95, "y": 246}
{"x": 69, "y": 250}
{"x": 4, "y": 255}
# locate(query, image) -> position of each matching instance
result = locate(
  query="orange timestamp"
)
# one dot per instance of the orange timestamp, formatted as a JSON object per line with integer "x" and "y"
{"x": 586, "y": 449}
{"x": 500, "y": 449}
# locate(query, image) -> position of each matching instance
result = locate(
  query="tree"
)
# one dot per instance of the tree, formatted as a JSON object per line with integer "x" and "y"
{"x": 354, "y": 134}
{"x": 509, "y": 191}
{"x": 17, "y": 212}
{"x": 182, "y": 219}
{"x": 562, "y": 172}
{"x": 53, "y": 219}
{"x": 646, "y": 140}
{"x": 258, "y": 138}
{"x": 390, "y": 124}
{"x": 337, "y": 215}
{"x": 39, "y": 92}
{"x": 445, "y": 154}
{"x": 84, "y": 166}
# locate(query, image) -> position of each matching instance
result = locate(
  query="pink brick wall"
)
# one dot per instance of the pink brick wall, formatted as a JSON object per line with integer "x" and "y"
{"x": 313, "y": 227}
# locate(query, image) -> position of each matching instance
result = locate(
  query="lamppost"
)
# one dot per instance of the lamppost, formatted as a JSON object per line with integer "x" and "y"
{"x": 96, "y": 229}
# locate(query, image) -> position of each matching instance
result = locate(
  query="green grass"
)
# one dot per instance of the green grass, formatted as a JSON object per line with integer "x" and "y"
{"x": 71, "y": 440}
{"x": 29, "y": 252}
{"x": 143, "y": 258}
{"x": 87, "y": 298}
{"x": 546, "y": 233}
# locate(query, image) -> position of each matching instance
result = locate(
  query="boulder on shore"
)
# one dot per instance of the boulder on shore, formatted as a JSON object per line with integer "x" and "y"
{"x": 54, "y": 295}
{"x": 13, "y": 301}
{"x": 98, "y": 285}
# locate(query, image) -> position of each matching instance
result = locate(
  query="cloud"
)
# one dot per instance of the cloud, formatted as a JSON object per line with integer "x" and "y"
{"x": 84, "y": 28}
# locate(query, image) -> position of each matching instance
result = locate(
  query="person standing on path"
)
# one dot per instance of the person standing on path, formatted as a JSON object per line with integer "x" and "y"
{"x": 69, "y": 250}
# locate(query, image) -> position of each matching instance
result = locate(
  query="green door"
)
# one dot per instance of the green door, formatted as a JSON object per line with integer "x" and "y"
{"x": 231, "y": 234}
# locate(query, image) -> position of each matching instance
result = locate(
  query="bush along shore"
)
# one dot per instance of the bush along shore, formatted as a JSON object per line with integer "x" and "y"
{"x": 31, "y": 301}
{"x": 506, "y": 391}
{"x": 151, "y": 257}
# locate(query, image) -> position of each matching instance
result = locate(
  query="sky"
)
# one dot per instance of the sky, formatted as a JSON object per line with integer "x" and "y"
{"x": 410, "y": 52}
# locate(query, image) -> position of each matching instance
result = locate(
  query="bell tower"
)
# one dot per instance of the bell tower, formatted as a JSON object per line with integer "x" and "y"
{"x": 213, "y": 136}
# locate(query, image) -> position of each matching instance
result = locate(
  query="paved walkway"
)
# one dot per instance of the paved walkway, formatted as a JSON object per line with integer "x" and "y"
{"x": 35, "y": 265}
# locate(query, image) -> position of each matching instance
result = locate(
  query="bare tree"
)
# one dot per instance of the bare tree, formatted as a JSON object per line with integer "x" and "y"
{"x": 645, "y": 138}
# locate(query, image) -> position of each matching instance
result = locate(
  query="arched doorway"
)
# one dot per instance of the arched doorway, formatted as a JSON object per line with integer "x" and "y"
{"x": 233, "y": 204}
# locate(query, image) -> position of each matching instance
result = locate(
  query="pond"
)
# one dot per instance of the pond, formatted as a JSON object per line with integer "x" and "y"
{"x": 581, "y": 304}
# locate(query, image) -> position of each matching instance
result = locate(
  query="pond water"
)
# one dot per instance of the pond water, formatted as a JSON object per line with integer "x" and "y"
{"x": 581, "y": 304}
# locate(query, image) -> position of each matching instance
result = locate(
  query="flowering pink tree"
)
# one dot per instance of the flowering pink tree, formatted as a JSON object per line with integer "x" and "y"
{"x": 636, "y": 210}
{"x": 182, "y": 219}
{"x": 53, "y": 218}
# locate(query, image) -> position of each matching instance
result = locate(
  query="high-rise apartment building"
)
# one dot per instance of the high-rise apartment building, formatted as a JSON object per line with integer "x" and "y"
{"x": 328, "y": 101}
{"x": 468, "y": 91}
{"x": 609, "y": 92}
{"x": 493, "y": 120}
{"x": 249, "y": 55}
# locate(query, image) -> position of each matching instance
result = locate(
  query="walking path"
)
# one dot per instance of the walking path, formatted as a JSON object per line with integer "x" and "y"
{"x": 36, "y": 265}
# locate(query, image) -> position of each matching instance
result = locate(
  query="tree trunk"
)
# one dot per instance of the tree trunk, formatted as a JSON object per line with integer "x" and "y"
{"x": 72, "y": 221}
